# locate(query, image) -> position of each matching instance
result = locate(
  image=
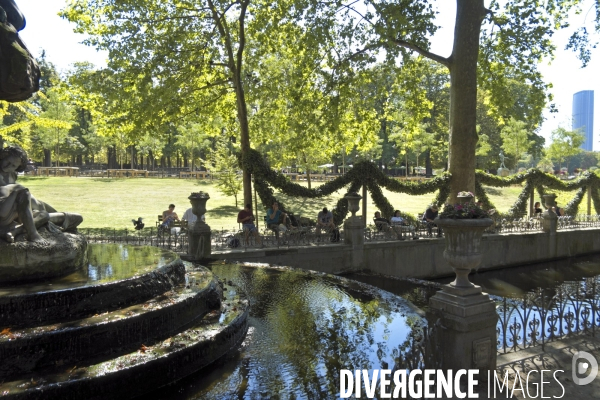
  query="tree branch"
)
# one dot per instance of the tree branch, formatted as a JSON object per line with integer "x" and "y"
{"x": 432, "y": 56}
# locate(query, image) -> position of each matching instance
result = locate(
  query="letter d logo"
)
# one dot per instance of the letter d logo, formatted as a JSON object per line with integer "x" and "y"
{"x": 581, "y": 368}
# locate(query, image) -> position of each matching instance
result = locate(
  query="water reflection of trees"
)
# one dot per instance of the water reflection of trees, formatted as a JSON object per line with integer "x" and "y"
{"x": 117, "y": 261}
{"x": 305, "y": 329}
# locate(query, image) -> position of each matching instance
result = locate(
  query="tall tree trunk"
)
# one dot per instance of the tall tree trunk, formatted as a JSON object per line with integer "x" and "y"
{"x": 234, "y": 63}
{"x": 463, "y": 96}
{"x": 47, "y": 158}
{"x": 242, "y": 112}
{"x": 428, "y": 170}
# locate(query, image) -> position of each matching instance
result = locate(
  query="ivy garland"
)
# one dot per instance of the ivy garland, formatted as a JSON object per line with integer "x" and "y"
{"x": 368, "y": 174}
{"x": 573, "y": 205}
{"x": 482, "y": 196}
{"x": 363, "y": 173}
{"x": 520, "y": 206}
{"x": 541, "y": 181}
{"x": 596, "y": 199}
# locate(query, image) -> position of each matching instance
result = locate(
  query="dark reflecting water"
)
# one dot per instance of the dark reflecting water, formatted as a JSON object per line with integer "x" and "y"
{"x": 304, "y": 328}
{"x": 106, "y": 263}
{"x": 505, "y": 283}
{"x": 535, "y": 303}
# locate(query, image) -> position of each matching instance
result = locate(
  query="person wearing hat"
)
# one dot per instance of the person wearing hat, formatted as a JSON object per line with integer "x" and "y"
{"x": 429, "y": 216}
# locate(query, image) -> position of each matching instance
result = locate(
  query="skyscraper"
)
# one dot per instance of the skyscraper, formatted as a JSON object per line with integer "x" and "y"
{"x": 583, "y": 116}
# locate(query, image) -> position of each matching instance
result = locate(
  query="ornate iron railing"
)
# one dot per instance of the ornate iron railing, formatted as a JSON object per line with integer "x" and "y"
{"x": 226, "y": 239}
{"x": 147, "y": 237}
{"x": 233, "y": 239}
{"x": 587, "y": 221}
{"x": 548, "y": 314}
{"x": 304, "y": 236}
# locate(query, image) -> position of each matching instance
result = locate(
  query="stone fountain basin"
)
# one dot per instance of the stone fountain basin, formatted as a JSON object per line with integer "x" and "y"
{"x": 147, "y": 368}
{"x": 106, "y": 284}
{"x": 25, "y": 350}
{"x": 21, "y": 261}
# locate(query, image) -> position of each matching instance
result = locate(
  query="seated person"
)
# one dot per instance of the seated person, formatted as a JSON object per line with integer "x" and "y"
{"x": 537, "y": 210}
{"x": 274, "y": 215}
{"x": 246, "y": 218}
{"x": 382, "y": 224}
{"x": 430, "y": 214}
{"x": 169, "y": 217}
{"x": 400, "y": 225}
{"x": 325, "y": 220}
{"x": 559, "y": 211}
{"x": 190, "y": 218}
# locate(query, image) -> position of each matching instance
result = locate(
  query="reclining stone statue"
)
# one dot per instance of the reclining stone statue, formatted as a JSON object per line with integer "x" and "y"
{"x": 19, "y": 211}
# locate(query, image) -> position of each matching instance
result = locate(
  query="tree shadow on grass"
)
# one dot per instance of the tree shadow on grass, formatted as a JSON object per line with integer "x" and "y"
{"x": 307, "y": 207}
{"x": 205, "y": 183}
{"x": 106, "y": 180}
{"x": 25, "y": 178}
{"x": 224, "y": 211}
{"x": 492, "y": 191}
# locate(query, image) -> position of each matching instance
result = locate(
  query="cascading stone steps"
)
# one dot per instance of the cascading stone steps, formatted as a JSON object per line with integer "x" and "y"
{"x": 116, "y": 339}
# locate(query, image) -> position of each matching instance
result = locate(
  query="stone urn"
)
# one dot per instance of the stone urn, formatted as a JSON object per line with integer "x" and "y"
{"x": 549, "y": 200}
{"x": 465, "y": 199}
{"x": 199, "y": 234}
{"x": 353, "y": 202}
{"x": 354, "y": 230}
{"x": 463, "y": 246}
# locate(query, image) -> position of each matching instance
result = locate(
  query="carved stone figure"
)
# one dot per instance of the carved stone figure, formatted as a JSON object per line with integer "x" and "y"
{"x": 19, "y": 72}
{"x": 502, "y": 158}
{"x": 19, "y": 211}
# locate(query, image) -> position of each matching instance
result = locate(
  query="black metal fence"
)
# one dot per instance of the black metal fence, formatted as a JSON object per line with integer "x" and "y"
{"x": 547, "y": 315}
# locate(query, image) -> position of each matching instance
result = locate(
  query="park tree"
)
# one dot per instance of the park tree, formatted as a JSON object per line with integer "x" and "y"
{"x": 193, "y": 141}
{"x": 57, "y": 120}
{"x": 546, "y": 165}
{"x": 176, "y": 58}
{"x": 565, "y": 144}
{"x": 223, "y": 163}
{"x": 515, "y": 138}
{"x": 505, "y": 39}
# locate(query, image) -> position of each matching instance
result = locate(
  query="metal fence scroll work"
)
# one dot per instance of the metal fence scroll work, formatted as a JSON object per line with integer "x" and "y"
{"x": 546, "y": 315}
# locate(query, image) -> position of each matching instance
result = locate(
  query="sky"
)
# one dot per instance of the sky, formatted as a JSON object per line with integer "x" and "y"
{"x": 46, "y": 30}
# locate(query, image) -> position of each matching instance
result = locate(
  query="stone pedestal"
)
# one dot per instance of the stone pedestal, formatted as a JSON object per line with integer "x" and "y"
{"x": 549, "y": 221}
{"x": 503, "y": 172}
{"x": 354, "y": 236}
{"x": 549, "y": 217}
{"x": 354, "y": 231}
{"x": 199, "y": 234}
{"x": 468, "y": 336}
{"x": 467, "y": 314}
{"x": 61, "y": 254}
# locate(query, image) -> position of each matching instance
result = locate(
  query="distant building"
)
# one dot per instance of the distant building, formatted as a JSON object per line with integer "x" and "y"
{"x": 583, "y": 116}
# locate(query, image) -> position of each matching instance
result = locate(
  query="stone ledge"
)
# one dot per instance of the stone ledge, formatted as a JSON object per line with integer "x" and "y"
{"x": 23, "y": 260}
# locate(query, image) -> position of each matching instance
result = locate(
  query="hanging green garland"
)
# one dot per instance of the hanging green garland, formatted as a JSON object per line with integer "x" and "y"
{"x": 482, "y": 196}
{"x": 368, "y": 174}
{"x": 573, "y": 205}
{"x": 520, "y": 207}
{"x": 596, "y": 199}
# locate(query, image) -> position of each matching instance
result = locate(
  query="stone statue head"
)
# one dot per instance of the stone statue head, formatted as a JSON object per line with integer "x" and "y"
{"x": 14, "y": 151}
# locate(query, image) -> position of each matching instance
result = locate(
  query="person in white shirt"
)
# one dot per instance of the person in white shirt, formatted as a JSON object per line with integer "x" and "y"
{"x": 190, "y": 217}
{"x": 401, "y": 226}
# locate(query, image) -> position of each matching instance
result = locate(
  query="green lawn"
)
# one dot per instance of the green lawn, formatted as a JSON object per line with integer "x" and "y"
{"x": 115, "y": 202}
